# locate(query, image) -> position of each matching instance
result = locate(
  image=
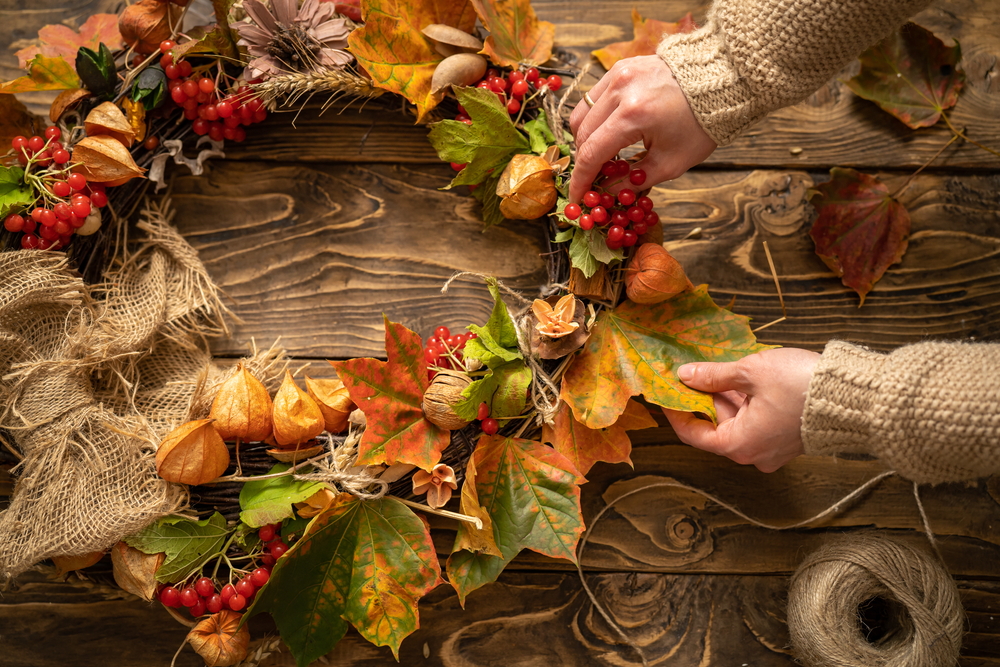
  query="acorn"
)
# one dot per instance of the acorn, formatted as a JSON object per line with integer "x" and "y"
{"x": 440, "y": 398}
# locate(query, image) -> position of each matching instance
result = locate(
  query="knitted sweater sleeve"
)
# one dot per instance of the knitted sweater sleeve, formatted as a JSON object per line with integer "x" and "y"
{"x": 930, "y": 411}
{"x": 755, "y": 56}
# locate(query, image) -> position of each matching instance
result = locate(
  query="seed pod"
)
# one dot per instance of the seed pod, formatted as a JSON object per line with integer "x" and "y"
{"x": 147, "y": 23}
{"x": 527, "y": 188}
{"x": 441, "y": 397}
{"x": 107, "y": 119}
{"x": 135, "y": 571}
{"x": 448, "y": 40}
{"x": 559, "y": 326}
{"x": 105, "y": 160}
{"x": 461, "y": 69}
{"x": 65, "y": 101}
{"x": 296, "y": 417}
{"x": 654, "y": 275}
{"x": 219, "y": 639}
{"x": 334, "y": 402}
{"x": 193, "y": 453}
{"x": 242, "y": 408}
{"x": 437, "y": 484}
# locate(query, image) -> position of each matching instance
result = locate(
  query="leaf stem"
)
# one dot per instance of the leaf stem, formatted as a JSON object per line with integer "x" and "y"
{"x": 961, "y": 134}
{"x": 905, "y": 185}
{"x": 445, "y": 513}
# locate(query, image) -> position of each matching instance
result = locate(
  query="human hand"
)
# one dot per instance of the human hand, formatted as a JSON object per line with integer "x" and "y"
{"x": 638, "y": 99}
{"x": 758, "y": 400}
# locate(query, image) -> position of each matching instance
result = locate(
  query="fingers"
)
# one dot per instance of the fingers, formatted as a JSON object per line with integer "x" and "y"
{"x": 603, "y": 145}
{"x": 698, "y": 433}
{"x": 582, "y": 109}
{"x": 716, "y": 377}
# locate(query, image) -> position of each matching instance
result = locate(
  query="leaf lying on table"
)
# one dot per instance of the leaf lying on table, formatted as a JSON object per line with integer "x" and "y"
{"x": 362, "y": 562}
{"x": 391, "y": 48}
{"x": 186, "y": 543}
{"x": 585, "y": 446}
{"x": 636, "y": 349}
{"x": 271, "y": 500}
{"x": 60, "y": 40}
{"x": 390, "y": 393}
{"x": 486, "y": 146}
{"x": 516, "y": 35}
{"x": 861, "y": 230}
{"x": 532, "y": 495}
{"x": 647, "y": 35}
{"x": 44, "y": 73}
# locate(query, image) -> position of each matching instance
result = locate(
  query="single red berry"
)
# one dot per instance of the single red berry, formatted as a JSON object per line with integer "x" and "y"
{"x": 205, "y": 587}
{"x": 278, "y": 549}
{"x": 245, "y": 587}
{"x": 259, "y": 577}
{"x": 29, "y": 242}
{"x": 645, "y": 203}
{"x": 513, "y": 106}
{"x": 615, "y": 233}
{"x": 515, "y": 76}
{"x": 52, "y": 132}
{"x": 19, "y": 142}
{"x": 214, "y": 604}
{"x": 609, "y": 168}
{"x": 637, "y": 177}
{"x": 267, "y": 560}
{"x": 519, "y": 88}
{"x": 260, "y": 115}
{"x": 211, "y": 112}
{"x": 151, "y": 143}
{"x": 13, "y": 223}
{"x": 190, "y": 114}
{"x": 442, "y": 333}
{"x": 228, "y": 591}
{"x": 651, "y": 218}
{"x": 490, "y": 426}
{"x": 483, "y": 84}
{"x": 554, "y": 82}
{"x": 491, "y": 73}
{"x": 185, "y": 68}
{"x": 599, "y": 214}
{"x": 29, "y": 225}
{"x": 200, "y": 126}
{"x": 178, "y": 95}
{"x": 639, "y": 228}
{"x": 47, "y": 233}
{"x": 237, "y": 602}
{"x": 61, "y": 189}
{"x": 635, "y": 214}
{"x": 81, "y": 209}
{"x": 166, "y": 60}
{"x": 62, "y": 228}
{"x": 630, "y": 238}
{"x": 76, "y": 222}
{"x": 586, "y": 221}
{"x": 608, "y": 200}
{"x": 60, "y": 156}
{"x": 190, "y": 88}
{"x": 77, "y": 181}
{"x": 170, "y": 597}
{"x": 622, "y": 167}
{"x": 246, "y": 115}
{"x": 48, "y": 218}
{"x": 612, "y": 245}
{"x": 173, "y": 73}
{"x": 626, "y": 197}
{"x": 591, "y": 198}
{"x": 44, "y": 158}
{"x": 198, "y": 608}
{"x": 431, "y": 356}
{"x": 45, "y": 244}
{"x": 215, "y": 131}
{"x": 531, "y": 76}
{"x": 619, "y": 218}
{"x": 241, "y": 134}
{"x": 484, "y": 411}
{"x": 201, "y": 97}
{"x": 36, "y": 143}
{"x": 189, "y": 596}
{"x": 458, "y": 166}
{"x": 224, "y": 108}
{"x": 232, "y": 121}
{"x": 254, "y": 104}
{"x": 498, "y": 85}
{"x": 266, "y": 533}
{"x": 166, "y": 45}
{"x": 36, "y": 214}
{"x": 206, "y": 85}
{"x": 572, "y": 211}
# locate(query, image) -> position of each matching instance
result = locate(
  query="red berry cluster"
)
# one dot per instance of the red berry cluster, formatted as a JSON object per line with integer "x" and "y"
{"x": 489, "y": 425}
{"x": 444, "y": 351}
{"x": 201, "y": 596}
{"x": 625, "y": 217}
{"x": 218, "y": 118}
{"x": 512, "y": 89}
{"x": 65, "y": 198}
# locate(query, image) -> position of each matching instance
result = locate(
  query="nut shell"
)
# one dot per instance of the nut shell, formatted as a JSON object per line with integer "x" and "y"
{"x": 441, "y": 397}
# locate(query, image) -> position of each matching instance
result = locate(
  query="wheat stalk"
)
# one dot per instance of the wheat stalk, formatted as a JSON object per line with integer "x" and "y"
{"x": 288, "y": 89}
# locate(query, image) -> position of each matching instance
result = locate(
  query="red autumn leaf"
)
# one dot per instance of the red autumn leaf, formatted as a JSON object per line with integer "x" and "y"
{"x": 532, "y": 495}
{"x": 648, "y": 33}
{"x": 390, "y": 394}
{"x": 912, "y": 75}
{"x": 585, "y": 446}
{"x": 59, "y": 40}
{"x": 391, "y": 48}
{"x": 861, "y": 230}
{"x": 516, "y": 34}
{"x": 636, "y": 349}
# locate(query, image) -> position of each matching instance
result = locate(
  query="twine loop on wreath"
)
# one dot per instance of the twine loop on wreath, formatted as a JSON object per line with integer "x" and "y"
{"x": 338, "y": 467}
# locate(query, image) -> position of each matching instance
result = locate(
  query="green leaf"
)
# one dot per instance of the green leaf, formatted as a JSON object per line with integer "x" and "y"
{"x": 44, "y": 73}
{"x": 504, "y": 389}
{"x": 97, "y": 70}
{"x": 150, "y": 87}
{"x": 486, "y": 194}
{"x": 539, "y": 133}
{"x": 14, "y": 194}
{"x": 294, "y": 528}
{"x": 564, "y": 235}
{"x": 271, "y": 500}
{"x": 484, "y": 147}
{"x": 588, "y": 251}
{"x": 187, "y": 544}
{"x": 497, "y": 341}
{"x": 363, "y": 562}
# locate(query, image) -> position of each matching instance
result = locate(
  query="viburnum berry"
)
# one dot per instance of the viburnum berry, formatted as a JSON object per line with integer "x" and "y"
{"x": 62, "y": 228}
{"x": 81, "y": 209}
{"x": 635, "y": 214}
{"x": 77, "y": 181}
{"x": 214, "y": 604}
{"x": 29, "y": 241}
{"x": 60, "y": 156}
{"x": 609, "y": 168}
{"x": 173, "y": 73}
{"x": 572, "y": 211}
{"x": 431, "y": 356}
{"x": 531, "y": 75}
{"x": 490, "y": 426}
{"x": 185, "y": 68}
{"x": 170, "y": 597}
{"x": 36, "y": 143}
{"x": 639, "y": 228}
{"x": 519, "y": 88}
{"x": 228, "y": 591}
{"x": 47, "y": 233}
{"x": 48, "y": 218}
{"x": 206, "y": 85}
{"x": 189, "y": 596}
{"x": 498, "y": 85}
{"x": 200, "y": 126}
{"x": 62, "y": 211}
{"x": 237, "y": 602}
{"x": 266, "y": 533}
{"x": 224, "y": 108}
{"x": 45, "y": 244}
{"x": 205, "y": 587}
{"x": 151, "y": 143}
{"x": 240, "y": 134}
{"x": 492, "y": 72}
{"x": 554, "y": 82}
{"x": 515, "y": 76}
{"x": 19, "y": 142}
{"x": 198, "y": 608}
{"x": 613, "y": 245}
{"x": 484, "y": 411}
{"x": 166, "y": 60}
{"x": 267, "y": 560}
{"x": 637, "y": 177}
{"x": 166, "y": 45}
{"x": 619, "y": 218}
{"x": 599, "y": 215}
{"x": 442, "y": 333}
{"x": 626, "y": 197}
{"x": 651, "y": 218}
{"x": 52, "y": 132}
{"x": 259, "y": 577}
{"x": 215, "y": 131}
{"x": 245, "y": 587}
{"x": 615, "y": 233}
{"x": 513, "y": 106}
{"x": 190, "y": 88}
{"x": 586, "y": 221}
{"x": 622, "y": 167}
{"x": 645, "y": 203}
{"x": 76, "y": 222}
{"x": 29, "y": 225}
{"x": 458, "y": 166}
{"x": 630, "y": 238}
{"x": 591, "y": 198}
{"x": 61, "y": 189}
{"x": 278, "y": 549}
{"x": 608, "y": 200}
{"x": 13, "y": 223}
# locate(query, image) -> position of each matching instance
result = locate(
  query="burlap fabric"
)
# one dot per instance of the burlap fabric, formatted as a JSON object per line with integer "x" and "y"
{"x": 91, "y": 378}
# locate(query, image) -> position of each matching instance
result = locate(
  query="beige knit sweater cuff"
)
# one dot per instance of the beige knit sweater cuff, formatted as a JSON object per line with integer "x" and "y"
{"x": 930, "y": 411}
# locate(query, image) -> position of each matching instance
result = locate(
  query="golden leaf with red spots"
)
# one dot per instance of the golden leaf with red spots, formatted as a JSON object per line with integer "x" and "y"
{"x": 648, "y": 33}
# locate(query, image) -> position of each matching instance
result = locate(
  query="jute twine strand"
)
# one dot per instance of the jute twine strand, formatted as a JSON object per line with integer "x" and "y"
{"x": 338, "y": 468}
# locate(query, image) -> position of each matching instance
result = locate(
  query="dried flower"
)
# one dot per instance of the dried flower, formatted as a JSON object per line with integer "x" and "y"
{"x": 441, "y": 397}
{"x": 555, "y": 321}
{"x": 193, "y": 453}
{"x": 654, "y": 275}
{"x": 296, "y": 417}
{"x": 107, "y": 119}
{"x": 527, "y": 188}
{"x": 292, "y": 38}
{"x": 242, "y": 408}
{"x": 437, "y": 484}
{"x": 219, "y": 639}
{"x": 559, "y": 326}
{"x": 334, "y": 402}
{"x": 135, "y": 571}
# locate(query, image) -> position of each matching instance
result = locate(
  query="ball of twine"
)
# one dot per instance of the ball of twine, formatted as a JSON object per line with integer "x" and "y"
{"x": 923, "y": 619}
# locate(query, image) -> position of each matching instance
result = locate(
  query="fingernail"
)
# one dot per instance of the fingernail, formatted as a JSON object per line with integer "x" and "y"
{"x": 686, "y": 372}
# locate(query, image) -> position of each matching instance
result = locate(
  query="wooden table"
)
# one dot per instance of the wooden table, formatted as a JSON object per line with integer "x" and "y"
{"x": 316, "y": 232}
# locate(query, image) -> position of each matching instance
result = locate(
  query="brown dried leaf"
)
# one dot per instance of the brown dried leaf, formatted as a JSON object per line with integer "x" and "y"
{"x": 527, "y": 188}
{"x": 461, "y": 69}
{"x": 555, "y": 321}
{"x": 66, "y": 564}
{"x": 219, "y": 639}
{"x": 572, "y": 312}
{"x": 107, "y": 119}
{"x": 134, "y": 571}
{"x": 65, "y": 101}
{"x": 315, "y": 504}
{"x": 15, "y": 119}
{"x": 193, "y": 453}
{"x": 242, "y": 408}
{"x": 469, "y": 537}
{"x": 105, "y": 160}
{"x": 147, "y": 23}
{"x": 296, "y": 416}
{"x": 334, "y": 402}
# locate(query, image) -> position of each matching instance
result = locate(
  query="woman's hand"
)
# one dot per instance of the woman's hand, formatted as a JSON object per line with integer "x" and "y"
{"x": 758, "y": 401}
{"x": 637, "y": 100}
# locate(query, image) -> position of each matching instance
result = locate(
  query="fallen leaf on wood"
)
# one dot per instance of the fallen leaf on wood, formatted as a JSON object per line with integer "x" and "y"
{"x": 585, "y": 446}
{"x": 516, "y": 35}
{"x": 647, "y": 36}
{"x": 44, "y": 73}
{"x": 59, "y": 40}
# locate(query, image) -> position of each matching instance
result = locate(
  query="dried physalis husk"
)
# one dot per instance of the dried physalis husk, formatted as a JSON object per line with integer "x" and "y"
{"x": 559, "y": 326}
{"x": 334, "y": 402}
{"x": 296, "y": 417}
{"x": 108, "y": 120}
{"x": 527, "y": 188}
{"x": 65, "y": 101}
{"x": 653, "y": 275}
{"x": 135, "y": 571}
{"x": 437, "y": 484}
{"x": 147, "y": 23}
{"x": 219, "y": 639}
{"x": 135, "y": 112}
{"x": 315, "y": 503}
{"x": 66, "y": 564}
{"x": 555, "y": 321}
{"x": 193, "y": 453}
{"x": 461, "y": 69}
{"x": 103, "y": 159}
{"x": 448, "y": 40}
{"x": 242, "y": 408}
{"x": 440, "y": 398}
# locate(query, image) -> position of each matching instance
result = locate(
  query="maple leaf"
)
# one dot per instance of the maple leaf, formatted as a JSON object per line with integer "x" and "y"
{"x": 486, "y": 146}
{"x": 636, "y": 349}
{"x": 366, "y": 562}
{"x": 647, "y": 35}
{"x": 396, "y": 55}
{"x": 390, "y": 394}
{"x": 44, "y": 73}
{"x": 585, "y": 446}
{"x": 861, "y": 229}
{"x": 59, "y": 40}
{"x": 532, "y": 495}
{"x": 516, "y": 35}
{"x": 469, "y": 537}
{"x": 912, "y": 75}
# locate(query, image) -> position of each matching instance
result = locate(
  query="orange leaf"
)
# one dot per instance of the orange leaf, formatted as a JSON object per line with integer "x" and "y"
{"x": 104, "y": 159}
{"x": 585, "y": 447}
{"x": 394, "y": 52}
{"x": 66, "y": 100}
{"x": 648, "y": 33}
{"x": 135, "y": 571}
{"x": 193, "y": 453}
{"x": 516, "y": 34}
{"x": 469, "y": 537}
{"x": 58, "y": 40}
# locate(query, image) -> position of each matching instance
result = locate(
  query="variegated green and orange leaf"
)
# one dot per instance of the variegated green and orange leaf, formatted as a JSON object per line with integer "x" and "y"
{"x": 391, "y": 48}
{"x": 516, "y": 34}
{"x": 390, "y": 393}
{"x": 363, "y": 562}
{"x": 637, "y": 349}
{"x": 532, "y": 495}
{"x": 585, "y": 446}
{"x": 647, "y": 35}
{"x": 59, "y": 40}
{"x": 44, "y": 73}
